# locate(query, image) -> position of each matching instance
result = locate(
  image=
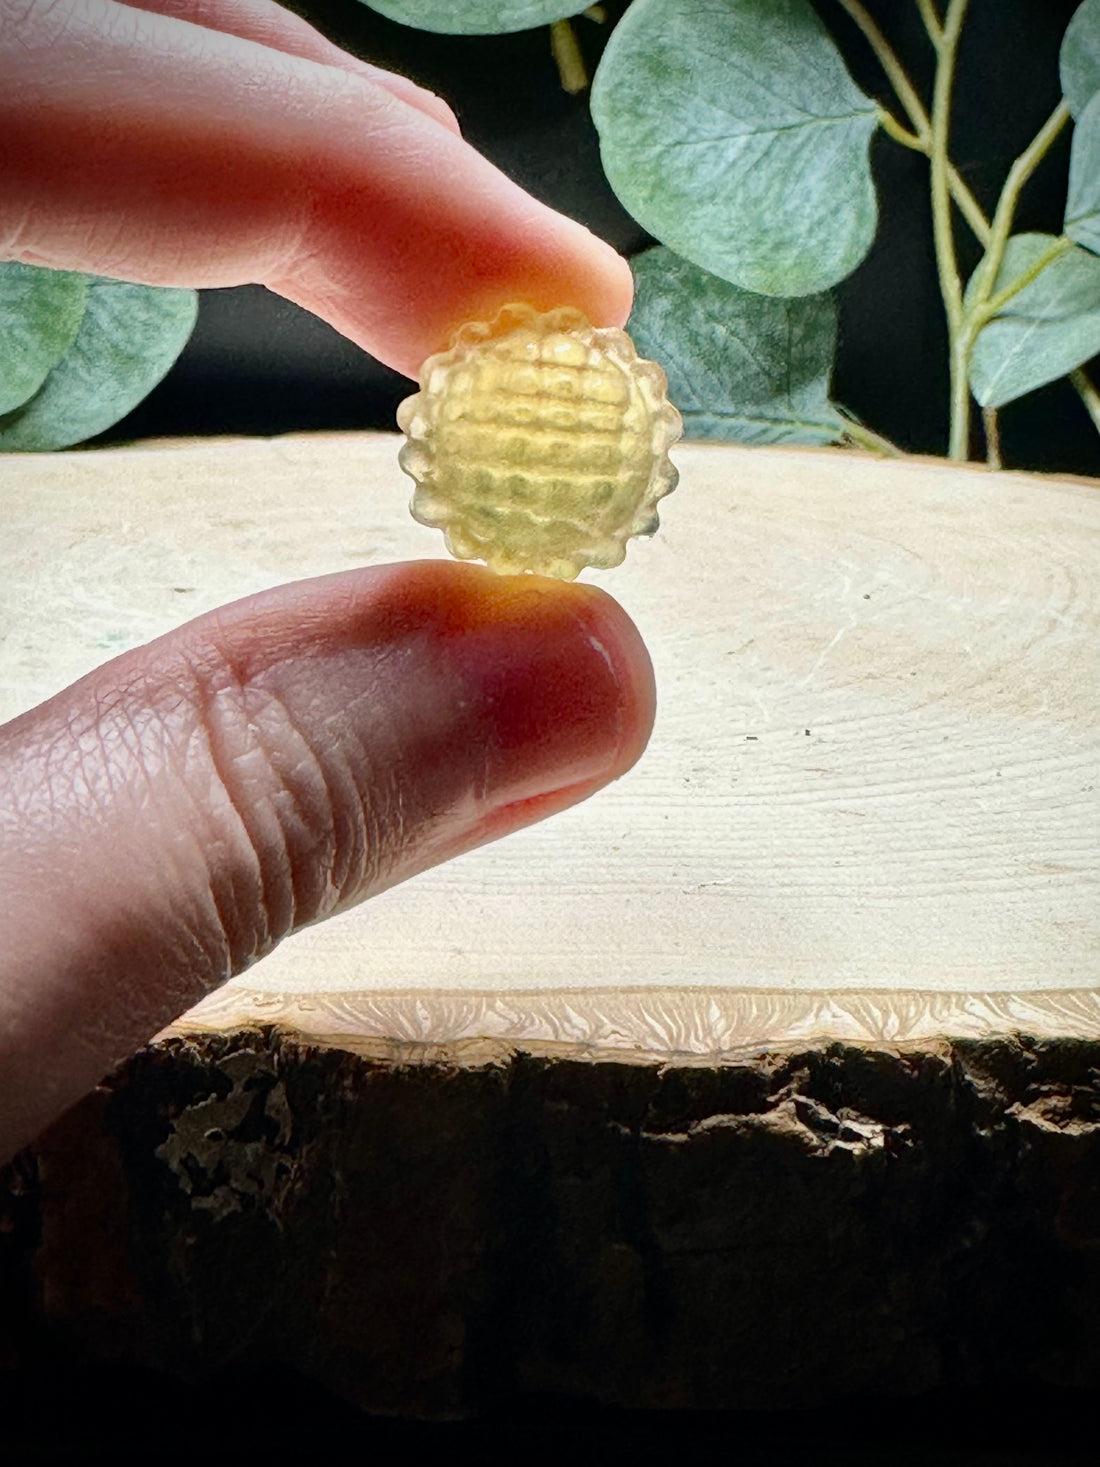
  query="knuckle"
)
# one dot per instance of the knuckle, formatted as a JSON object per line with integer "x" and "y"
{"x": 293, "y": 812}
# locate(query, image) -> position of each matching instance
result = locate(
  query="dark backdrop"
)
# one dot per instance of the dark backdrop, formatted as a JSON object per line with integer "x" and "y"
{"x": 256, "y": 364}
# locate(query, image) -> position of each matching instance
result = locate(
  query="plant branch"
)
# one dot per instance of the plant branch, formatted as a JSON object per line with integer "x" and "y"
{"x": 943, "y": 229}
{"x": 888, "y": 60}
{"x": 926, "y": 138}
{"x": 968, "y": 205}
{"x": 920, "y": 138}
{"x": 866, "y": 437}
{"x": 1088, "y": 395}
{"x": 567, "y": 55}
{"x": 983, "y": 311}
{"x": 932, "y": 23}
{"x": 929, "y": 136}
{"x": 979, "y": 224}
{"x": 992, "y": 438}
{"x": 1018, "y": 175}
{"x": 987, "y": 301}
{"x": 901, "y": 134}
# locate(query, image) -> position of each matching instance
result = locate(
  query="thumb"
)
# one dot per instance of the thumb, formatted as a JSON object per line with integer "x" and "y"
{"x": 172, "y": 816}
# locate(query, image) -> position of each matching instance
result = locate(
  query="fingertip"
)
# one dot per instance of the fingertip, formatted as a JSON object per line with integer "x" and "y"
{"x": 618, "y": 284}
{"x": 614, "y": 635}
{"x": 567, "y": 265}
{"x": 447, "y": 239}
{"x": 568, "y": 646}
{"x": 576, "y": 708}
{"x": 558, "y": 667}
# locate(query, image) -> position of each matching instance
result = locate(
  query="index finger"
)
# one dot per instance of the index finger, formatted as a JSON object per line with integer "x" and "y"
{"x": 140, "y": 146}
{"x": 270, "y": 25}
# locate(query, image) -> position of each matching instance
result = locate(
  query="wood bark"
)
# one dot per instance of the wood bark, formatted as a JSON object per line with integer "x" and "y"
{"x": 430, "y": 1235}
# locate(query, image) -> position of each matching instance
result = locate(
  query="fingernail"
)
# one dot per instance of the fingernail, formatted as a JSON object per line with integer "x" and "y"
{"x": 555, "y": 684}
{"x": 566, "y": 683}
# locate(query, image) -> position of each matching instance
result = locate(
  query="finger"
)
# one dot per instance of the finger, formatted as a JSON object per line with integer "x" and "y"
{"x": 143, "y": 147}
{"x": 270, "y": 25}
{"x": 171, "y": 817}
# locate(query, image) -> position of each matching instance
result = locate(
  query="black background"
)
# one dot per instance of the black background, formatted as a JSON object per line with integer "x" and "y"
{"x": 257, "y": 364}
{"x": 269, "y": 1416}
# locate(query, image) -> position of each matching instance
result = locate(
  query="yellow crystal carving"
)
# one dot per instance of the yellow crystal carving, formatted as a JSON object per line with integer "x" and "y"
{"x": 539, "y": 443}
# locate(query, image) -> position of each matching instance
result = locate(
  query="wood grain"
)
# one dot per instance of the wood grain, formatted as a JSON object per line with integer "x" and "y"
{"x": 871, "y": 805}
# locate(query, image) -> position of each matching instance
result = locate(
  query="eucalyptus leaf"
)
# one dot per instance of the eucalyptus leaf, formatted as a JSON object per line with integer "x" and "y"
{"x": 731, "y": 130}
{"x": 476, "y": 17}
{"x": 1048, "y": 329}
{"x": 751, "y": 368}
{"x": 40, "y": 312}
{"x": 1079, "y": 62}
{"x": 128, "y": 338}
{"x": 1083, "y": 201}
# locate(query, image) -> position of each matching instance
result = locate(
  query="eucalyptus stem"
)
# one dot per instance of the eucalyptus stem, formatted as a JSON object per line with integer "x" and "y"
{"x": 866, "y": 437}
{"x": 932, "y": 22}
{"x": 1088, "y": 395}
{"x": 992, "y": 236}
{"x": 968, "y": 205}
{"x": 985, "y": 303}
{"x": 1018, "y": 175}
{"x": 992, "y": 437}
{"x": 899, "y": 132}
{"x": 888, "y": 60}
{"x": 567, "y": 54}
{"x": 930, "y": 135}
{"x": 920, "y": 139}
{"x": 943, "y": 230}
{"x": 984, "y": 310}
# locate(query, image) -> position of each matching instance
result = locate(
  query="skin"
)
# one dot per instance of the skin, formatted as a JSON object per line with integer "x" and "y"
{"x": 171, "y": 817}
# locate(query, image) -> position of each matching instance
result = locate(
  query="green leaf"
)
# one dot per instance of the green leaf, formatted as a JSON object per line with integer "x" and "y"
{"x": 731, "y": 130}
{"x": 1079, "y": 61}
{"x": 476, "y": 17}
{"x": 1048, "y": 329}
{"x": 40, "y": 312}
{"x": 1083, "y": 202}
{"x": 128, "y": 338}
{"x": 752, "y": 368}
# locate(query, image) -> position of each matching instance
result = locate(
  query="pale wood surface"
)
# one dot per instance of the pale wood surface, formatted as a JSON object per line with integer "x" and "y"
{"x": 924, "y": 858}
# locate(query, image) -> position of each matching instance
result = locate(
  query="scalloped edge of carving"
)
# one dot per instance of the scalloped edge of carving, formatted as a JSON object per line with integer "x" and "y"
{"x": 416, "y": 417}
{"x": 699, "y": 1023}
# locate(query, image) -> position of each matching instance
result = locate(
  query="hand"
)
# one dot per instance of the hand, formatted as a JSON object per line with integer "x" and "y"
{"x": 172, "y": 816}
{"x": 218, "y": 142}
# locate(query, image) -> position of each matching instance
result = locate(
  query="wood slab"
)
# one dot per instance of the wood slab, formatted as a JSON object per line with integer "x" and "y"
{"x": 870, "y": 808}
{"x": 572, "y": 1117}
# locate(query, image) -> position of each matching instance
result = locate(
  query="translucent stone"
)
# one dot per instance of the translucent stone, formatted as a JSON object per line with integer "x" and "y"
{"x": 539, "y": 443}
